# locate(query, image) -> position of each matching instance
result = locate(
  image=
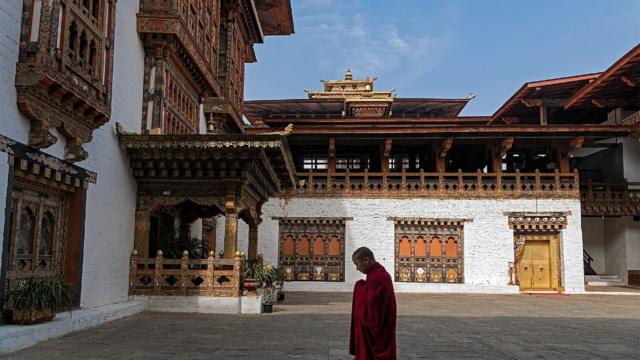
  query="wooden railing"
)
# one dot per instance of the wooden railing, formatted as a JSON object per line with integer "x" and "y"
{"x": 185, "y": 277}
{"x": 610, "y": 198}
{"x": 439, "y": 185}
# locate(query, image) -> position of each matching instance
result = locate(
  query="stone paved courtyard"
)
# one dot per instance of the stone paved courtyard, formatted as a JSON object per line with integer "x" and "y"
{"x": 315, "y": 326}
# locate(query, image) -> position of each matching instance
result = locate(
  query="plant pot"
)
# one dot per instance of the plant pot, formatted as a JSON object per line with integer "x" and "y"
{"x": 267, "y": 308}
{"x": 31, "y": 316}
{"x": 250, "y": 285}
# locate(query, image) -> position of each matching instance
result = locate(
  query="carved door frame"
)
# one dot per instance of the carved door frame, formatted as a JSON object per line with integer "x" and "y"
{"x": 545, "y": 225}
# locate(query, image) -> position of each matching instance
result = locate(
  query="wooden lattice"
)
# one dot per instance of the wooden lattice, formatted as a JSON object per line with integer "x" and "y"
{"x": 429, "y": 250}
{"x": 312, "y": 249}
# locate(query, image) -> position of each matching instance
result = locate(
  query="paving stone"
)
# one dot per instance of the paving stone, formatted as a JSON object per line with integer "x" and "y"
{"x": 316, "y": 326}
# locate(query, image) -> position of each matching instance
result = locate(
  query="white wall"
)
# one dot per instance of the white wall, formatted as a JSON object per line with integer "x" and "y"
{"x": 615, "y": 247}
{"x": 632, "y": 234}
{"x": 488, "y": 241}
{"x": 593, "y": 241}
{"x": 109, "y": 225}
{"x": 111, "y": 202}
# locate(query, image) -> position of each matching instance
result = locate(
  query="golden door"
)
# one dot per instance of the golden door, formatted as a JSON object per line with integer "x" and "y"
{"x": 535, "y": 268}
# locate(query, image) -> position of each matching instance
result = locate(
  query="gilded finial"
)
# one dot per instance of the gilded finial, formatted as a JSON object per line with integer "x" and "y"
{"x": 134, "y": 252}
{"x": 348, "y": 75}
{"x": 159, "y": 253}
{"x": 185, "y": 253}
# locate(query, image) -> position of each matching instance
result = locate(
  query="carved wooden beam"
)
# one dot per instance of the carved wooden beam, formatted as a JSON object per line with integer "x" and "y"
{"x": 510, "y": 120}
{"x": 609, "y": 103}
{"x": 543, "y": 102}
{"x": 628, "y": 81}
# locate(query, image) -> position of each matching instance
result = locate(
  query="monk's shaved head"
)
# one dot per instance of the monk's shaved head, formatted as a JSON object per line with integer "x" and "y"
{"x": 363, "y": 252}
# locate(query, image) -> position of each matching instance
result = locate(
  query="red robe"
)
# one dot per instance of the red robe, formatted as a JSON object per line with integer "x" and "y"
{"x": 373, "y": 317}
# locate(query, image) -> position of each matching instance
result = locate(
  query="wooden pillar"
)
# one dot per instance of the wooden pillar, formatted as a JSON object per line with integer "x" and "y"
{"x": 142, "y": 227}
{"x": 253, "y": 242}
{"x": 386, "y": 153}
{"x": 563, "y": 160}
{"x": 331, "y": 166}
{"x": 543, "y": 115}
{"x": 230, "y": 227}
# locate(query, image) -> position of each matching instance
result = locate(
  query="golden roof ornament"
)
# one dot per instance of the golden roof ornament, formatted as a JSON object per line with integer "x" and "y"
{"x": 348, "y": 75}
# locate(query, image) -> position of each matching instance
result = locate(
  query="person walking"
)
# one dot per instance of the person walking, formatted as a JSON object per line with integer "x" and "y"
{"x": 373, "y": 311}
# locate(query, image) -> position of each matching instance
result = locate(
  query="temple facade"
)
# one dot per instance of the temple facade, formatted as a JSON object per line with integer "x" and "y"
{"x": 129, "y": 168}
{"x": 540, "y": 196}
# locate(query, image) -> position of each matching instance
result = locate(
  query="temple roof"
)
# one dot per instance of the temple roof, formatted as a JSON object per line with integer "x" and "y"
{"x": 259, "y": 110}
{"x": 619, "y": 81}
{"x": 275, "y": 16}
{"x": 553, "y": 92}
{"x": 351, "y": 98}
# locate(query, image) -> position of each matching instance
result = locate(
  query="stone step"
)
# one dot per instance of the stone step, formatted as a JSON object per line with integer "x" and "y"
{"x": 605, "y": 283}
{"x": 601, "y": 277}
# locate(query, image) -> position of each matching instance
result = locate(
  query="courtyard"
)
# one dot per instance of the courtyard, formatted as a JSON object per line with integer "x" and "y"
{"x": 316, "y": 326}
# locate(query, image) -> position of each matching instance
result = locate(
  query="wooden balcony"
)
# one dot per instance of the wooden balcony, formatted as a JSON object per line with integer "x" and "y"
{"x": 610, "y": 198}
{"x": 438, "y": 185}
{"x": 185, "y": 277}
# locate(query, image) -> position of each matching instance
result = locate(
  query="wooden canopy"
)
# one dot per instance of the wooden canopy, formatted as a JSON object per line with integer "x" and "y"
{"x": 553, "y": 93}
{"x": 620, "y": 82}
{"x": 210, "y": 165}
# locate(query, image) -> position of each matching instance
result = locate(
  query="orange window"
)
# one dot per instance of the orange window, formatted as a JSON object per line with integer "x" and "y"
{"x": 421, "y": 246}
{"x": 303, "y": 245}
{"x": 435, "y": 246}
{"x": 451, "y": 247}
{"x": 288, "y": 245}
{"x": 405, "y": 246}
{"x": 318, "y": 246}
{"x": 334, "y": 246}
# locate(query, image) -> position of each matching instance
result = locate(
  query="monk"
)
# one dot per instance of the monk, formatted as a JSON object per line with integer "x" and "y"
{"x": 373, "y": 312}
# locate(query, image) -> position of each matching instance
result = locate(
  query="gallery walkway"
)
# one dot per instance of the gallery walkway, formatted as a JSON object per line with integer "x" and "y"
{"x": 315, "y": 326}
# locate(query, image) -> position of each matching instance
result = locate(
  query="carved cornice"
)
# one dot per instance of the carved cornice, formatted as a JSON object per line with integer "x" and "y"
{"x": 39, "y": 164}
{"x": 539, "y": 222}
{"x": 429, "y": 222}
{"x": 312, "y": 220}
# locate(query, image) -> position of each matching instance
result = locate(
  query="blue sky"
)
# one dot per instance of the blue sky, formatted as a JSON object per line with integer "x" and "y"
{"x": 438, "y": 48}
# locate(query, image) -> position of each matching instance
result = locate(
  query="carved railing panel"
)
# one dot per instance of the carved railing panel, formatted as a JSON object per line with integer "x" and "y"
{"x": 610, "y": 198}
{"x": 185, "y": 277}
{"x": 439, "y": 185}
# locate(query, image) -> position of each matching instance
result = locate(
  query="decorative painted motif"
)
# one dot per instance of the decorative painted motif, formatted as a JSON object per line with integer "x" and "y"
{"x": 429, "y": 250}
{"x": 312, "y": 248}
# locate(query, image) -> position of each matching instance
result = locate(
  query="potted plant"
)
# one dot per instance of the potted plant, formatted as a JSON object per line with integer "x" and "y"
{"x": 268, "y": 299}
{"x": 278, "y": 285}
{"x": 38, "y": 299}
{"x": 249, "y": 274}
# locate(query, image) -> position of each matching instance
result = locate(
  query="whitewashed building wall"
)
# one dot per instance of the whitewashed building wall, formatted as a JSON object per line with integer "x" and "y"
{"x": 110, "y": 204}
{"x": 488, "y": 241}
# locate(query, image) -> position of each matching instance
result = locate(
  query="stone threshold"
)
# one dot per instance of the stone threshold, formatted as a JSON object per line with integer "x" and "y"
{"x": 16, "y": 337}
